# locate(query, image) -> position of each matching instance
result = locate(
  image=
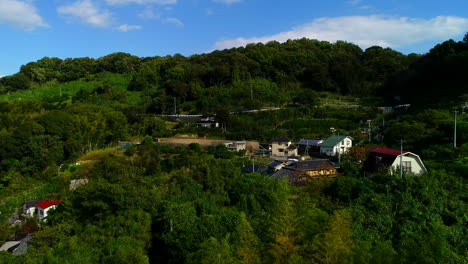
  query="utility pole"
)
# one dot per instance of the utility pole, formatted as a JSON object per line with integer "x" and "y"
{"x": 401, "y": 158}
{"x": 251, "y": 92}
{"x": 339, "y": 154}
{"x": 175, "y": 106}
{"x": 253, "y": 164}
{"x": 455, "y": 130}
{"x": 369, "y": 129}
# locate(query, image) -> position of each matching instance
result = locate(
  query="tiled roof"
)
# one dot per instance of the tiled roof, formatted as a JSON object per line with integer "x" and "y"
{"x": 311, "y": 165}
{"x": 281, "y": 139}
{"x": 309, "y": 142}
{"x": 32, "y": 203}
{"x": 292, "y": 147}
{"x": 47, "y": 204}
{"x": 254, "y": 168}
{"x": 387, "y": 151}
{"x": 283, "y": 173}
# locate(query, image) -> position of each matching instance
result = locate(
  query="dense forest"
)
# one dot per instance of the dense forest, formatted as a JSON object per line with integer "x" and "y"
{"x": 61, "y": 120}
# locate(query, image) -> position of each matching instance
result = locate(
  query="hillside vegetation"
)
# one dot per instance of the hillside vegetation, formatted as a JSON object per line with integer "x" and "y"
{"x": 61, "y": 120}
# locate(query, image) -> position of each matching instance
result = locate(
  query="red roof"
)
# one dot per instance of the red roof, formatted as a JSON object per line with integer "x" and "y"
{"x": 387, "y": 151}
{"x": 47, "y": 204}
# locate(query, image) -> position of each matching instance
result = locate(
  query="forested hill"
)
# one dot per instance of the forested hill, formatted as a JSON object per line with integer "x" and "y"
{"x": 436, "y": 78}
{"x": 277, "y": 73}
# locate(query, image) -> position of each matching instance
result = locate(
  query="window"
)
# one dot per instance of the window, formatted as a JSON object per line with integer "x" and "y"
{"x": 406, "y": 166}
{"x": 342, "y": 143}
{"x": 280, "y": 150}
{"x": 348, "y": 143}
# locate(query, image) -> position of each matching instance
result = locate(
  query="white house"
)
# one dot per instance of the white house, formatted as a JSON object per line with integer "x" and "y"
{"x": 44, "y": 207}
{"x": 283, "y": 147}
{"x": 236, "y": 146}
{"x": 383, "y": 159}
{"x": 336, "y": 144}
{"x": 29, "y": 207}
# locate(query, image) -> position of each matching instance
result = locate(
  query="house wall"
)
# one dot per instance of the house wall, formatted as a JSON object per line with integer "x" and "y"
{"x": 290, "y": 152}
{"x": 416, "y": 166}
{"x": 323, "y": 172}
{"x": 43, "y": 212}
{"x": 279, "y": 148}
{"x": 30, "y": 211}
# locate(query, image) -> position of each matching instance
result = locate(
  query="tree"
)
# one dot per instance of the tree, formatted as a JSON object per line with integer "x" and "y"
{"x": 247, "y": 249}
{"x": 336, "y": 245}
{"x": 284, "y": 248}
{"x": 16, "y": 82}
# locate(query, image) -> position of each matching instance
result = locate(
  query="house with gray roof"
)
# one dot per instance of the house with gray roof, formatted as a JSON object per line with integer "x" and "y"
{"x": 309, "y": 145}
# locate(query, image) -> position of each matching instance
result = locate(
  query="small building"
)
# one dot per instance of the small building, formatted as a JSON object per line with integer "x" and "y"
{"x": 236, "y": 146}
{"x": 388, "y": 160}
{"x": 44, "y": 207}
{"x": 276, "y": 165}
{"x": 335, "y": 145}
{"x": 283, "y": 147}
{"x": 29, "y": 207}
{"x": 18, "y": 247}
{"x": 10, "y": 246}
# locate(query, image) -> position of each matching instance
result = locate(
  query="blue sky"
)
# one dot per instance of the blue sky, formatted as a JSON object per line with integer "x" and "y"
{"x": 33, "y": 29}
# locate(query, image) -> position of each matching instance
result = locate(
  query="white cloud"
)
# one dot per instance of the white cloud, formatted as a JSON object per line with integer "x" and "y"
{"x": 227, "y": 2}
{"x": 175, "y": 21}
{"x": 1, "y": 76}
{"x": 126, "y": 27}
{"x": 366, "y": 31}
{"x": 87, "y": 12}
{"x": 20, "y": 14}
{"x": 123, "y": 2}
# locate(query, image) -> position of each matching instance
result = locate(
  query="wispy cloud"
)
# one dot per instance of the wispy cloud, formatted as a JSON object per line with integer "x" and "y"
{"x": 366, "y": 31}
{"x": 354, "y": 2}
{"x": 148, "y": 13}
{"x": 20, "y": 14}
{"x": 126, "y": 27}
{"x": 227, "y": 2}
{"x": 123, "y": 2}
{"x": 88, "y": 13}
{"x": 209, "y": 12}
{"x": 175, "y": 21}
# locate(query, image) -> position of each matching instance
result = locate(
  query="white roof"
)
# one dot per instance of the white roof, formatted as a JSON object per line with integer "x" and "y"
{"x": 8, "y": 245}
